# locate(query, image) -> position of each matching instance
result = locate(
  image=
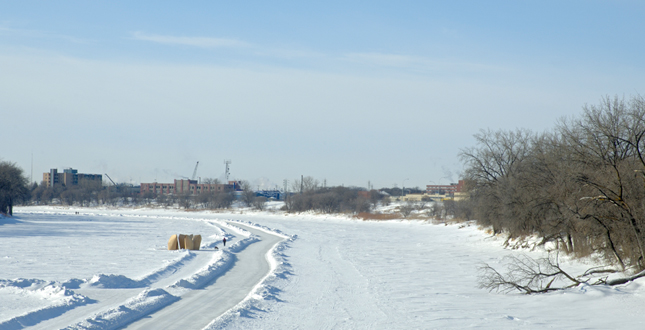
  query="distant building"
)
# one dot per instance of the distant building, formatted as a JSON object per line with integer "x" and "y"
{"x": 414, "y": 197}
{"x": 367, "y": 194}
{"x": 449, "y": 190}
{"x": 69, "y": 177}
{"x": 270, "y": 194}
{"x": 185, "y": 186}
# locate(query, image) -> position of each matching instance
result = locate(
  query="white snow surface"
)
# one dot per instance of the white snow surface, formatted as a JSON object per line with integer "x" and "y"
{"x": 105, "y": 268}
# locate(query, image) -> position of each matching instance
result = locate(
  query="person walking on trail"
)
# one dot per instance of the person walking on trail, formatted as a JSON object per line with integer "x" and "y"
{"x": 224, "y": 240}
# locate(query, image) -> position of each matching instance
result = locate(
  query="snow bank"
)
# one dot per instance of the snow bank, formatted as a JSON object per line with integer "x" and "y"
{"x": 220, "y": 263}
{"x": 53, "y": 298}
{"x": 236, "y": 229}
{"x": 268, "y": 288}
{"x": 265, "y": 229}
{"x": 152, "y": 300}
{"x": 122, "y": 282}
{"x": 83, "y": 233}
{"x": 112, "y": 281}
{"x": 143, "y": 304}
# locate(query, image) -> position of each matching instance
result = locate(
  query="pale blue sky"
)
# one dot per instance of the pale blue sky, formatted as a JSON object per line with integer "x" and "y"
{"x": 348, "y": 92}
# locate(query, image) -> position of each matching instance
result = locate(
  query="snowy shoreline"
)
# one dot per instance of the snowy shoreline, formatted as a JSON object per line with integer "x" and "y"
{"x": 343, "y": 273}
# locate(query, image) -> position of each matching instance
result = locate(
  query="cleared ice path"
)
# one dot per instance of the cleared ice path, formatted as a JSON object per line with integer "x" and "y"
{"x": 198, "y": 308}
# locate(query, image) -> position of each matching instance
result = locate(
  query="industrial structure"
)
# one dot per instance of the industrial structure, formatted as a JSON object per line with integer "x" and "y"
{"x": 453, "y": 191}
{"x": 190, "y": 186}
{"x": 69, "y": 177}
{"x": 270, "y": 194}
{"x": 184, "y": 186}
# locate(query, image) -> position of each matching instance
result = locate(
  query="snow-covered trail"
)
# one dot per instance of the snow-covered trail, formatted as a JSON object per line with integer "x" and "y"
{"x": 109, "y": 298}
{"x": 198, "y": 308}
{"x": 124, "y": 275}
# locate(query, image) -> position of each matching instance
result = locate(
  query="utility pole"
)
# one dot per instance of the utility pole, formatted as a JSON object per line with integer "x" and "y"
{"x": 403, "y": 187}
{"x": 286, "y": 187}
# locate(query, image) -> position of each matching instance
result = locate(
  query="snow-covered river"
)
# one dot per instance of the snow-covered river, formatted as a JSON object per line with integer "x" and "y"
{"x": 334, "y": 272}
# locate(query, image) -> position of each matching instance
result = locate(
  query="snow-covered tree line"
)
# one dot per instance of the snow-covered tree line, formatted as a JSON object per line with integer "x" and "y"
{"x": 580, "y": 185}
{"x": 332, "y": 200}
{"x": 88, "y": 193}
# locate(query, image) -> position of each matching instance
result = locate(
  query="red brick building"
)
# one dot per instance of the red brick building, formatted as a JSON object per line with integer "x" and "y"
{"x": 187, "y": 186}
{"x": 450, "y": 189}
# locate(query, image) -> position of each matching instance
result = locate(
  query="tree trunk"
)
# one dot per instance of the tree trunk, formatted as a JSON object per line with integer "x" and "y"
{"x": 637, "y": 233}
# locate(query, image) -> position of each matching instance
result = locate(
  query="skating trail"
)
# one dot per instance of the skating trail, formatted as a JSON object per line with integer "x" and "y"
{"x": 198, "y": 308}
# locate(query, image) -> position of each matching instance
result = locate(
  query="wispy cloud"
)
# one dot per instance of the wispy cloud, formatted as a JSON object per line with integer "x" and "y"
{"x": 26, "y": 33}
{"x": 416, "y": 62}
{"x": 203, "y": 42}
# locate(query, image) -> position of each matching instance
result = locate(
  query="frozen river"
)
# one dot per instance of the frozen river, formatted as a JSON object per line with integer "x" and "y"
{"x": 331, "y": 272}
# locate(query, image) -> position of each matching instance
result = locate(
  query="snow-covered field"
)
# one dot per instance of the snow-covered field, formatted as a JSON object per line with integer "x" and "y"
{"x": 103, "y": 268}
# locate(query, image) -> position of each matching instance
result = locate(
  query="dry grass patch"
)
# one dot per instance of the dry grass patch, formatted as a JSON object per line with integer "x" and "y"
{"x": 378, "y": 216}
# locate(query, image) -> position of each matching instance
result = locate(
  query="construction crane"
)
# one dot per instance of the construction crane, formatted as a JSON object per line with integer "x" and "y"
{"x": 195, "y": 171}
{"x": 110, "y": 179}
{"x": 116, "y": 188}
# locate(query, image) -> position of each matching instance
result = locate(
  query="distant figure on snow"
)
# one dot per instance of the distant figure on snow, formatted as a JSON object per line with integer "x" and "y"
{"x": 224, "y": 240}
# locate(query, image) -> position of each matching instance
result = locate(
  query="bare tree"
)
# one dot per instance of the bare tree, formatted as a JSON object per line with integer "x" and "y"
{"x": 69, "y": 196}
{"x": 527, "y": 275}
{"x": 248, "y": 195}
{"x": 375, "y": 196}
{"x": 259, "y": 203}
{"x": 307, "y": 184}
{"x": 223, "y": 199}
{"x": 492, "y": 165}
{"x": 88, "y": 191}
{"x": 328, "y": 200}
{"x": 185, "y": 200}
{"x": 421, "y": 205}
{"x": 607, "y": 143}
{"x": 407, "y": 208}
{"x": 38, "y": 193}
{"x": 162, "y": 199}
{"x": 498, "y": 154}
{"x": 435, "y": 210}
{"x": 13, "y": 186}
{"x": 581, "y": 186}
{"x": 310, "y": 184}
{"x": 210, "y": 181}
